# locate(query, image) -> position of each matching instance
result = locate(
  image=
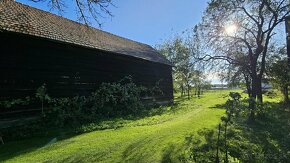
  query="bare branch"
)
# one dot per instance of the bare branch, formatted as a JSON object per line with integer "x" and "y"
{"x": 249, "y": 15}
{"x": 87, "y": 9}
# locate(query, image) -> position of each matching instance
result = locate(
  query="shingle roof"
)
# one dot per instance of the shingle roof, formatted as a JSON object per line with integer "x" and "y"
{"x": 20, "y": 18}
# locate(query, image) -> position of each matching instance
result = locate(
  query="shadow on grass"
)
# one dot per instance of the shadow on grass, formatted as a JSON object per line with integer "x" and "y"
{"x": 218, "y": 106}
{"x": 175, "y": 153}
{"x": 265, "y": 140}
{"x": 270, "y": 133}
{"x": 141, "y": 152}
{"x": 156, "y": 110}
{"x": 167, "y": 155}
{"x": 132, "y": 155}
{"x": 18, "y": 147}
{"x": 12, "y": 149}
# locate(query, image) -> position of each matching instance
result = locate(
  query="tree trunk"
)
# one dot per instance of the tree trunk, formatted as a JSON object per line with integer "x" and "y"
{"x": 188, "y": 91}
{"x": 249, "y": 91}
{"x": 285, "y": 94}
{"x": 253, "y": 98}
{"x": 248, "y": 85}
{"x": 288, "y": 50}
{"x": 181, "y": 90}
{"x": 286, "y": 97}
{"x": 259, "y": 90}
{"x": 256, "y": 95}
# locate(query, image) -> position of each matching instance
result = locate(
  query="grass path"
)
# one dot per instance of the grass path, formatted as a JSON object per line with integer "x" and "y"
{"x": 137, "y": 141}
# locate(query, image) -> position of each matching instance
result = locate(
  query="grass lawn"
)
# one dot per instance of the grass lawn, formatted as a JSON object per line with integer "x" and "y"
{"x": 156, "y": 138}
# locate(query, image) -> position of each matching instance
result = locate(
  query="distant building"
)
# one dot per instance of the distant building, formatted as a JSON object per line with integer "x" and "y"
{"x": 71, "y": 58}
{"x": 219, "y": 86}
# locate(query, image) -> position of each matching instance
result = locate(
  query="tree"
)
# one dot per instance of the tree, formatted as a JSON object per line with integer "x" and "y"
{"x": 237, "y": 75}
{"x": 183, "y": 70}
{"x": 196, "y": 48}
{"x": 250, "y": 28}
{"x": 279, "y": 76}
{"x": 184, "y": 52}
{"x": 199, "y": 82}
{"x": 86, "y": 9}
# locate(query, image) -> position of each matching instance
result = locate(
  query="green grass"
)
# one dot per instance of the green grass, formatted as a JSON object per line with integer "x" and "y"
{"x": 155, "y": 138}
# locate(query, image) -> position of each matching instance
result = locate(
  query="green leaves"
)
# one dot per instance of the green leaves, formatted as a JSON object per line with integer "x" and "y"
{"x": 8, "y": 104}
{"x": 41, "y": 92}
{"x": 115, "y": 99}
{"x": 123, "y": 97}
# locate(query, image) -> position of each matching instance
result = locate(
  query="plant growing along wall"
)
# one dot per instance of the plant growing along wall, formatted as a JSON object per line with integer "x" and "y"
{"x": 42, "y": 96}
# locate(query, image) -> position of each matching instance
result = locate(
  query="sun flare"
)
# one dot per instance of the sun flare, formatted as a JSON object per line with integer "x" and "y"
{"x": 231, "y": 29}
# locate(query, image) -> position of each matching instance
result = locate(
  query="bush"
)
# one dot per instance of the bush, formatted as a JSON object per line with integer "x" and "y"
{"x": 69, "y": 111}
{"x": 10, "y": 104}
{"x": 121, "y": 98}
{"x": 110, "y": 100}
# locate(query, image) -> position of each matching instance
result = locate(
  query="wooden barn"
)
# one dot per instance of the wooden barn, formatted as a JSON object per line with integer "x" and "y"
{"x": 71, "y": 58}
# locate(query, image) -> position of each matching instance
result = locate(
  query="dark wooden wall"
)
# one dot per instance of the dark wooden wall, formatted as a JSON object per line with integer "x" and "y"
{"x": 27, "y": 62}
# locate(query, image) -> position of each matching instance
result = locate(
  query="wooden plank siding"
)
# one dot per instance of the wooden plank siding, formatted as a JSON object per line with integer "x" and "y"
{"x": 26, "y": 62}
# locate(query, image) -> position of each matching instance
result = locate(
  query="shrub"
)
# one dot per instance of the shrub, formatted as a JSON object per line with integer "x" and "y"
{"x": 120, "y": 98}
{"x": 109, "y": 100}
{"x": 69, "y": 111}
{"x": 10, "y": 104}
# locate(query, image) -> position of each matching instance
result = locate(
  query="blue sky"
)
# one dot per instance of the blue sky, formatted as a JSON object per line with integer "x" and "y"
{"x": 146, "y": 21}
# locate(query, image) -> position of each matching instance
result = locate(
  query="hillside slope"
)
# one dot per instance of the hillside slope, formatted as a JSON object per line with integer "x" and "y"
{"x": 158, "y": 138}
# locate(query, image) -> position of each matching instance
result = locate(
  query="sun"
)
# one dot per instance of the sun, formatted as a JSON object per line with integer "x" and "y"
{"x": 231, "y": 29}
